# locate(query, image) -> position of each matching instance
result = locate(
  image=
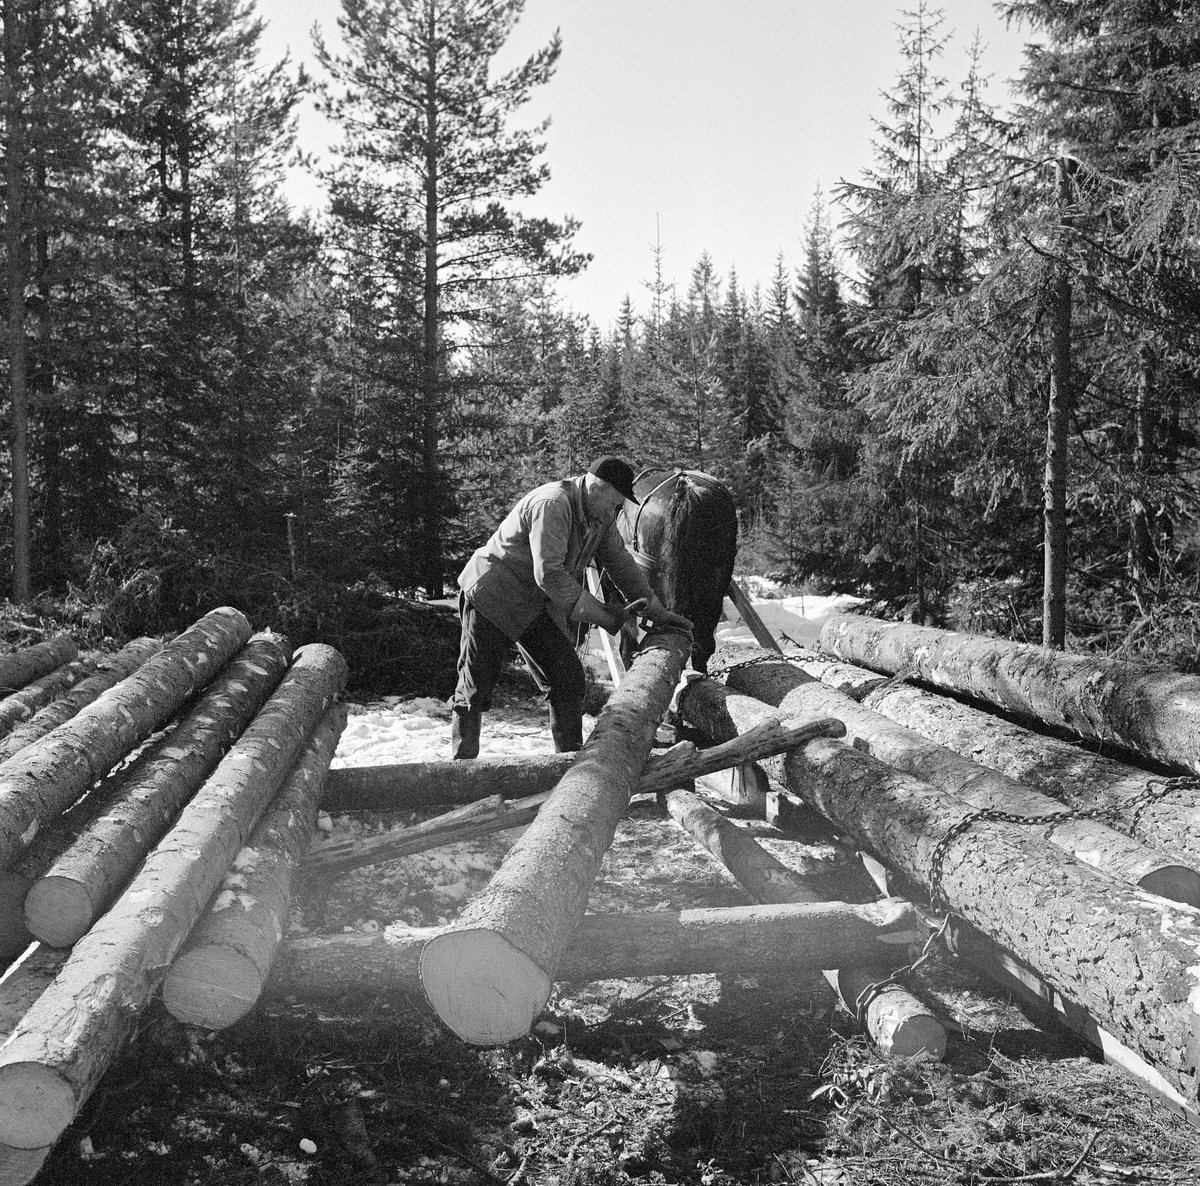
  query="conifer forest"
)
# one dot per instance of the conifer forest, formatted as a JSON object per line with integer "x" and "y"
{"x": 971, "y": 398}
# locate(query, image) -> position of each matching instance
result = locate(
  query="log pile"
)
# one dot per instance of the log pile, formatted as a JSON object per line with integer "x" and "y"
{"x": 122, "y": 858}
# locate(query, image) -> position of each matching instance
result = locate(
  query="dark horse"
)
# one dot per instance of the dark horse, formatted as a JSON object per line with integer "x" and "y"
{"x": 684, "y": 536}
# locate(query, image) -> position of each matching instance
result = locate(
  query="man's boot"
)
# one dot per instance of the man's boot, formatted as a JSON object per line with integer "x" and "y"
{"x": 464, "y": 732}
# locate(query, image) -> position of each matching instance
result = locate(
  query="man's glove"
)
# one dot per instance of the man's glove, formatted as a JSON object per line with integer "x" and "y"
{"x": 658, "y": 613}
{"x": 594, "y": 612}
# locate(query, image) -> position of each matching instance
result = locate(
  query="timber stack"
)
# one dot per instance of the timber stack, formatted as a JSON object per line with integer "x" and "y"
{"x": 108, "y": 864}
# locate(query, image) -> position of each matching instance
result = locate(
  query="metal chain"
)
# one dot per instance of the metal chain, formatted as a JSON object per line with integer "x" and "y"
{"x": 863, "y": 1001}
{"x": 754, "y": 661}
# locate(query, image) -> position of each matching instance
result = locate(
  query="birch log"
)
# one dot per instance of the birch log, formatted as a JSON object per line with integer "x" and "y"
{"x": 1130, "y": 958}
{"x": 109, "y": 672}
{"x": 139, "y": 806}
{"x": 1078, "y": 777}
{"x": 44, "y": 779}
{"x": 1152, "y": 711}
{"x": 21, "y": 705}
{"x": 1095, "y": 843}
{"x": 20, "y": 667}
{"x": 56, "y": 1056}
{"x": 491, "y": 976}
{"x": 739, "y": 939}
{"x": 219, "y": 975}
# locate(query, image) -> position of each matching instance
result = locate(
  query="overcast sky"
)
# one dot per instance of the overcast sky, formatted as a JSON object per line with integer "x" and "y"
{"x": 709, "y": 123}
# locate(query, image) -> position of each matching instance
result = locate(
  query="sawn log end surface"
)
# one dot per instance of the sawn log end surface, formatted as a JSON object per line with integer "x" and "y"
{"x": 37, "y": 1104}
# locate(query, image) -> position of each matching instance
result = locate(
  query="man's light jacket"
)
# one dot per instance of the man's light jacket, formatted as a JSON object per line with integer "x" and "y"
{"x": 537, "y": 556}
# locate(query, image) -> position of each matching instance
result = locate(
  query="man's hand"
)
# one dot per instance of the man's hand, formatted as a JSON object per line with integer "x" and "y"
{"x": 658, "y": 613}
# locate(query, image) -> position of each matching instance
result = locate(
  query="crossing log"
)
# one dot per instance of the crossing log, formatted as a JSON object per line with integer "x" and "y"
{"x": 74, "y": 889}
{"x": 107, "y": 674}
{"x": 1089, "y": 840}
{"x": 45, "y": 778}
{"x": 1149, "y": 710}
{"x": 732, "y": 940}
{"x": 491, "y": 975}
{"x": 676, "y": 766}
{"x": 219, "y": 975}
{"x": 895, "y": 1019}
{"x": 21, "y": 705}
{"x": 1132, "y": 959}
{"x": 21, "y": 667}
{"x": 1077, "y": 776}
{"x": 58, "y": 1053}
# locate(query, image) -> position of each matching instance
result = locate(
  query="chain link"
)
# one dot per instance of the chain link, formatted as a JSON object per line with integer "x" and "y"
{"x": 754, "y": 661}
{"x": 863, "y": 1001}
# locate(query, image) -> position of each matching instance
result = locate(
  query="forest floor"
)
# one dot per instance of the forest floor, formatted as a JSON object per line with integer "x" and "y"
{"x": 699, "y": 1079}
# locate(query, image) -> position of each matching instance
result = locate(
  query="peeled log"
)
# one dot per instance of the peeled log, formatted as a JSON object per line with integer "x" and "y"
{"x": 405, "y": 785}
{"x": 1076, "y": 776}
{"x": 77, "y": 887}
{"x": 739, "y": 939}
{"x": 20, "y": 667}
{"x": 108, "y": 673}
{"x": 1130, "y": 958}
{"x": 219, "y": 975}
{"x": 57, "y": 1055}
{"x": 1088, "y": 840}
{"x": 895, "y": 1019}
{"x": 1152, "y": 711}
{"x": 491, "y": 975}
{"x": 44, "y": 779}
{"x": 20, "y": 706}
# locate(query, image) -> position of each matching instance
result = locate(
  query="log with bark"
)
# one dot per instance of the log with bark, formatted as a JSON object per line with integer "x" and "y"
{"x": 729, "y": 940}
{"x": 21, "y": 705}
{"x": 108, "y": 673}
{"x": 1130, "y": 958}
{"x": 56, "y": 1056}
{"x": 140, "y": 802}
{"x": 779, "y": 683}
{"x": 21, "y": 667}
{"x": 219, "y": 975}
{"x": 1079, "y": 777}
{"x": 896, "y": 1020}
{"x": 45, "y": 778}
{"x": 678, "y": 765}
{"x": 491, "y": 976}
{"x": 1149, "y": 710}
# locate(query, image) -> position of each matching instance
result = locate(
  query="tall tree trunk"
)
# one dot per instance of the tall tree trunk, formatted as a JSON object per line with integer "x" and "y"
{"x": 18, "y": 277}
{"x": 431, "y": 493}
{"x": 1141, "y": 551}
{"x": 1058, "y": 418}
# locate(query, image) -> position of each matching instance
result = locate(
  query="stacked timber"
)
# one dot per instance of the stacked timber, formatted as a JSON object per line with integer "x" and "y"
{"x": 61, "y": 1046}
{"x": 19, "y": 668}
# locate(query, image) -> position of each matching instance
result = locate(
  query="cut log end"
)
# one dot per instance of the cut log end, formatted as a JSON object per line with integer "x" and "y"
{"x": 18, "y": 1166}
{"x": 1176, "y": 882}
{"x": 902, "y": 1031}
{"x": 211, "y": 986}
{"x": 482, "y": 987}
{"x": 58, "y": 910}
{"x": 36, "y": 1105}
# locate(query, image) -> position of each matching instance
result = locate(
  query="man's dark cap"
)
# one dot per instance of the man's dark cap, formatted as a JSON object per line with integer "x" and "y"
{"x": 616, "y": 473}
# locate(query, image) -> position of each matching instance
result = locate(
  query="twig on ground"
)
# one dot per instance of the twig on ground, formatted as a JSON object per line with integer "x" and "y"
{"x": 1048, "y": 1175}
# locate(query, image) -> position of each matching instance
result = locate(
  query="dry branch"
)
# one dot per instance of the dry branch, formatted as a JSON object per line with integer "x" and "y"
{"x": 57, "y": 1055}
{"x": 44, "y": 779}
{"x": 1150, "y": 710}
{"x": 491, "y": 976}
{"x": 218, "y": 976}
{"x": 1089, "y": 840}
{"x": 72, "y": 892}
{"x": 739, "y": 939}
{"x": 1130, "y": 958}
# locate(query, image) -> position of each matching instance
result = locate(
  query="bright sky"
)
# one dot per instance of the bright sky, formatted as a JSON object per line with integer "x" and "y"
{"x": 707, "y": 124}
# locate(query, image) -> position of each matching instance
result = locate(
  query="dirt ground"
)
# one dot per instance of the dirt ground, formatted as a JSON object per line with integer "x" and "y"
{"x": 700, "y": 1079}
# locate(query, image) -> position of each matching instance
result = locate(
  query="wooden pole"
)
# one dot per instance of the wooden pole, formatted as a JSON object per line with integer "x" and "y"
{"x": 1068, "y": 772}
{"x": 758, "y": 627}
{"x": 81, "y": 882}
{"x": 1130, "y": 958}
{"x": 58, "y": 1053}
{"x": 1149, "y": 710}
{"x": 45, "y": 778}
{"x": 746, "y": 939}
{"x": 1088, "y": 840}
{"x": 616, "y": 665}
{"x": 491, "y": 976}
{"x": 219, "y": 975}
